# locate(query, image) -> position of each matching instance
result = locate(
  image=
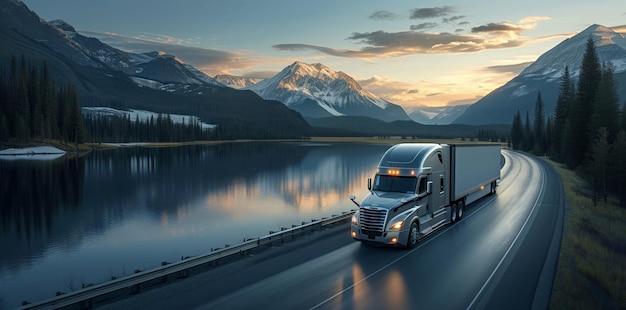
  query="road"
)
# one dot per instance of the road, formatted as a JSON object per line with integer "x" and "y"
{"x": 501, "y": 255}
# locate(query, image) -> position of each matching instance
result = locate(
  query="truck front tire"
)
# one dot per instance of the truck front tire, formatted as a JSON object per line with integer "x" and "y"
{"x": 413, "y": 236}
{"x": 453, "y": 213}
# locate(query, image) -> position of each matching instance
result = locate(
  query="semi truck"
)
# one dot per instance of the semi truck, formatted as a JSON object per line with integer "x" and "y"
{"x": 420, "y": 187}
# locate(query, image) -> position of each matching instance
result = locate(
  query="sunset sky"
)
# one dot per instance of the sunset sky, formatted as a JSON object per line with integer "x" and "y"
{"x": 411, "y": 53}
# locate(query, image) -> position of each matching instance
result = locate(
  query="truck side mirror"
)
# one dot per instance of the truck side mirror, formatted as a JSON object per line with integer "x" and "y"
{"x": 352, "y": 197}
{"x": 429, "y": 187}
{"x": 369, "y": 184}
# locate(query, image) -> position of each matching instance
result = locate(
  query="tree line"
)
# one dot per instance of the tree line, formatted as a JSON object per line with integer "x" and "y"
{"x": 587, "y": 131}
{"x": 32, "y": 107}
{"x": 160, "y": 129}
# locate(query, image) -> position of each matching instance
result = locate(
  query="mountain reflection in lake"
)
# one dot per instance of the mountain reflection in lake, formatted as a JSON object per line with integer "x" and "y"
{"x": 77, "y": 221}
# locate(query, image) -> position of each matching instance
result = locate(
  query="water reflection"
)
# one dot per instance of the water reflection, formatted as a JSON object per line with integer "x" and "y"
{"x": 76, "y": 221}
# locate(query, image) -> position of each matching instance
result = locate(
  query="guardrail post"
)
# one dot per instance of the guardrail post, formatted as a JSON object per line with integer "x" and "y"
{"x": 135, "y": 289}
{"x": 183, "y": 273}
{"x": 86, "y": 304}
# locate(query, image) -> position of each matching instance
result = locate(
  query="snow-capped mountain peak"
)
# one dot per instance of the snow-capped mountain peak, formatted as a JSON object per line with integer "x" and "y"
{"x": 237, "y": 82}
{"x": 315, "y": 90}
{"x": 610, "y": 46}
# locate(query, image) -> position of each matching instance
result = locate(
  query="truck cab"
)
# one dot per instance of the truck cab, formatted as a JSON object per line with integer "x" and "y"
{"x": 409, "y": 184}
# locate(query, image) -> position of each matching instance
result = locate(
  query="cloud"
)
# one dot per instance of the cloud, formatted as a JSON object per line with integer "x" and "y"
{"x": 533, "y": 19}
{"x": 393, "y": 44}
{"x": 210, "y": 61}
{"x": 424, "y": 26}
{"x": 424, "y": 13}
{"x": 453, "y": 19}
{"x": 383, "y": 44}
{"x": 393, "y": 90}
{"x": 501, "y": 27}
{"x": 260, "y": 74}
{"x": 513, "y": 68}
{"x": 383, "y": 15}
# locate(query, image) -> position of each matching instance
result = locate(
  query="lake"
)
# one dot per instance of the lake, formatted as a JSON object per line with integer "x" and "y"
{"x": 70, "y": 222}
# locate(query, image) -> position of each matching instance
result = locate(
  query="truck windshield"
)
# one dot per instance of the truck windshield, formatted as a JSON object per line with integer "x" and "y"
{"x": 385, "y": 183}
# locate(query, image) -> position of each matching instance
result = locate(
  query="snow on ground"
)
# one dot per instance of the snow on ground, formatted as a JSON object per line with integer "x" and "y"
{"x": 144, "y": 115}
{"x": 33, "y": 153}
{"x": 125, "y": 144}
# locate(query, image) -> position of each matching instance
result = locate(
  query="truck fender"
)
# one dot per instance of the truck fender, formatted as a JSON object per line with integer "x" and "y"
{"x": 407, "y": 217}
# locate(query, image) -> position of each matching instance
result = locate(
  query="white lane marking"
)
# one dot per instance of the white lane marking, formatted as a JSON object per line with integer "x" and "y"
{"x": 543, "y": 176}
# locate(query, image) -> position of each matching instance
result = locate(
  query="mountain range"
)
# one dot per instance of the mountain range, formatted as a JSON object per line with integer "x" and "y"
{"x": 544, "y": 75}
{"x": 316, "y": 91}
{"x": 285, "y": 104}
{"x": 329, "y": 81}
{"x": 156, "y": 82}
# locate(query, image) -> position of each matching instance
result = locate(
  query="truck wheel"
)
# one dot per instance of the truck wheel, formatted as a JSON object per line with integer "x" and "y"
{"x": 453, "y": 215}
{"x": 460, "y": 209}
{"x": 413, "y": 236}
{"x": 494, "y": 187}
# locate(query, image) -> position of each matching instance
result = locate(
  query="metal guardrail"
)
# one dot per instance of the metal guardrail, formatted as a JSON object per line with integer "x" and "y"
{"x": 84, "y": 298}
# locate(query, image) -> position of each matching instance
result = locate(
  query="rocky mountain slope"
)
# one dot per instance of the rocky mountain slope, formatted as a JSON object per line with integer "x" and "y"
{"x": 544, "y": 75}
{"x": 316, "y": 91}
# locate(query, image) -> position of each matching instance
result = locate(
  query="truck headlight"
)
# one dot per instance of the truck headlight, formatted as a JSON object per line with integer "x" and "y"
{"x": 396, "y": 225}
{"x": 355, "y": 220}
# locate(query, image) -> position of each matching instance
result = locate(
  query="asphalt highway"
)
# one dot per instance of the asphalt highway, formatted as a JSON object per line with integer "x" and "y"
{"x": 501, "y": 255}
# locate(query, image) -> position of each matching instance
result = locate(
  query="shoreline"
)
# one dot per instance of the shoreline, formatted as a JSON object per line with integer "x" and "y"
{"x": 56, "y": 148}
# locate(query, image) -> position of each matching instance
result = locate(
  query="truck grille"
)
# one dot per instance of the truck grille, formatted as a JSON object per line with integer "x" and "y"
{"x": 372, "y": 220}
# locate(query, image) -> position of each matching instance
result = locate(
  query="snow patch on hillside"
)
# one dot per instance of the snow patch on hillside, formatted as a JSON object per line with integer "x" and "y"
{"x": 144, "y": 116}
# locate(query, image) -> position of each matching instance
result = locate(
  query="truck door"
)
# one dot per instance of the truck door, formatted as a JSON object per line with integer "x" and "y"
{"x": 423, "y": 196}
{"x": 441, "y": 194}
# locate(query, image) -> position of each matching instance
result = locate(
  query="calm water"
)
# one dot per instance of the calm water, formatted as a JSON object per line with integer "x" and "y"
{"x": 74, "y": 221}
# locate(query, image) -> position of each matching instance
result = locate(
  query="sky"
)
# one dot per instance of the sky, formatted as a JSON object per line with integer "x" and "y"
{"x": 412, "y": 53}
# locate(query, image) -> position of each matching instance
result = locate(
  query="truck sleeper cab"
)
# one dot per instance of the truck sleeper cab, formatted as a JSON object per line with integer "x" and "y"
{"x": 415, "y": 190}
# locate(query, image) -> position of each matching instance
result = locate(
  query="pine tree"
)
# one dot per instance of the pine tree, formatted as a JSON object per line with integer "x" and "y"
{"x": 48, "y": 102}
{"x": 539, "y": 130}
{"x": 564, "y": 103}
{"x": 549, "y": 136}
{"x": 588, "y": 81}
{"x": 62, "y": 115}
{"x": 528, "y": 134}
{"x": 75, "y": 126}
{"x": 619, "y": 169}
{"x": 623, "y": 116}
{"x": 599, "y": 165}
{"x": 23, "y": 115}
{"x": 517, "y": 132}
{"x": 606, "y": 111}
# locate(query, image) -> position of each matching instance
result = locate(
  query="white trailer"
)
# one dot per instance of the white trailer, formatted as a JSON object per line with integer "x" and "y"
{"x": 419, "y": 187}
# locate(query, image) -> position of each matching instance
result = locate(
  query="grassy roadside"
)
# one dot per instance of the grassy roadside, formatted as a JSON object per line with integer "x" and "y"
{"x": 591, "y": 271}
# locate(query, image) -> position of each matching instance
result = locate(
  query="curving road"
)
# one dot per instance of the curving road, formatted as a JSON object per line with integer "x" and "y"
{"x": 501, "y": 255}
